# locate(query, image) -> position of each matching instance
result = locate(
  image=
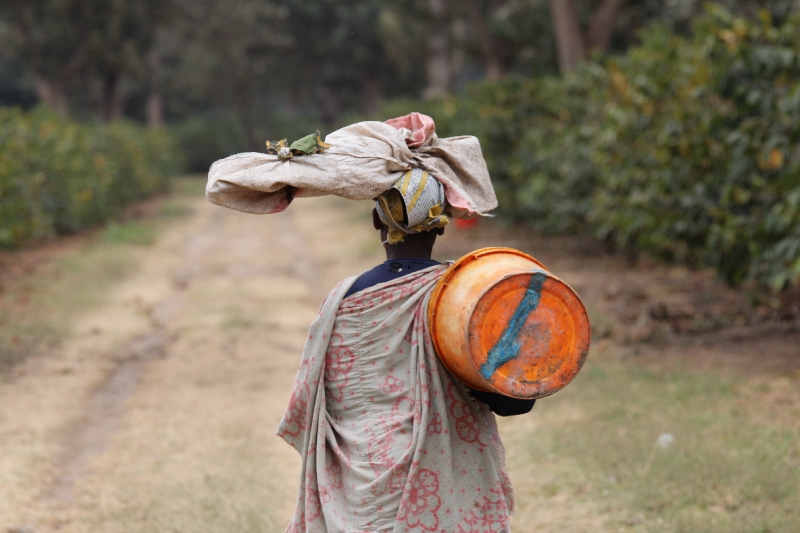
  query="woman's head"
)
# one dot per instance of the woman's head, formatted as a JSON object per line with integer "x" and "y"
{"x": 414, "y": 204}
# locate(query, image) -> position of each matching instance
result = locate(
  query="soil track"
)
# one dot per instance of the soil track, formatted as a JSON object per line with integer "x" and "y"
{"x": 167, "y": 395}
{"x": 157, "y": 412}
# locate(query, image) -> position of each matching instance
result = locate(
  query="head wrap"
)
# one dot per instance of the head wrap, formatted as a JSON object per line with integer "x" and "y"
{"x": 415, "y": 203}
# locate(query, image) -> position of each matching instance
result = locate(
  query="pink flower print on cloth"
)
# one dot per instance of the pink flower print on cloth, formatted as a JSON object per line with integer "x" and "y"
{"x": 313, "y": 503}
{"x": 295, "y": 413}
{"x": 490, "y": 514}
{"x": 389, "y": 441}
{"x": 419, "y": 508}
{"x": 435, "y": 426}
{"x": 467, "y": 427}
{"x": 392, "y": 384}
{"x": 338, "y": 364}
{"x": 294, "y": 421}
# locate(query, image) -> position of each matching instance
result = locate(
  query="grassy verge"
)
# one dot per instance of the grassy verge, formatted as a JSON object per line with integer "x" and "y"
{"x": 62, "y": 278}
{"x": 644, "y": 450}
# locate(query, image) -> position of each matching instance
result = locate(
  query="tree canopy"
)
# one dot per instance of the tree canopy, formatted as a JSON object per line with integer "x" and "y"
{"x": 260, "y": 60}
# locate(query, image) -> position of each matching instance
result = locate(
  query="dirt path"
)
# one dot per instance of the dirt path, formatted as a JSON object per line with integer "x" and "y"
{"x": 157, "y": 413}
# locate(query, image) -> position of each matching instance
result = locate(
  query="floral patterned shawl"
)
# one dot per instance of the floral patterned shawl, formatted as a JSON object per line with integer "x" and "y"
{"x": 390, "y": 441}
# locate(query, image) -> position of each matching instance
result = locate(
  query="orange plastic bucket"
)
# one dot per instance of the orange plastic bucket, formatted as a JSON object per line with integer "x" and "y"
{"x": 501, "y": 322}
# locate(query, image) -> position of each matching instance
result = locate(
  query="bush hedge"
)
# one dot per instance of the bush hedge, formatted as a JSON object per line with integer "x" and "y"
{"x": 205, "y": 138}
{"x": 688, "y": 148}
{"x": 58, "y": 176}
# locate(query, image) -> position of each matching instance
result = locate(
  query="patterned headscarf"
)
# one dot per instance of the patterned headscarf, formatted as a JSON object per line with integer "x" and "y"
{"x": 415, "y": 203}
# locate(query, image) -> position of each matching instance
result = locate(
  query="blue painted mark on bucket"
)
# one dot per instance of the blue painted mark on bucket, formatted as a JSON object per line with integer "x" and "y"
{"x": 507, "y": 346}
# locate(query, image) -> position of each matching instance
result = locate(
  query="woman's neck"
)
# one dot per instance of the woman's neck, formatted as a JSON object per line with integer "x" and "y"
{"x": 395, "y": 252}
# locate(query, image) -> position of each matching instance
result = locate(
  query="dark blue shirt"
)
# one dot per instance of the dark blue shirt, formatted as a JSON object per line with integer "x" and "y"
{"x": 389, "y": 271}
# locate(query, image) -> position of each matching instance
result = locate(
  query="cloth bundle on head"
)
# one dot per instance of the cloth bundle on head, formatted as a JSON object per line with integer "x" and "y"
{"x": 415, "y": 203}
{"x": 363, "y": 161}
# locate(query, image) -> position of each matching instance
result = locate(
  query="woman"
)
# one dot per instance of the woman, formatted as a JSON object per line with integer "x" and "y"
{"x": 390, "y": 441}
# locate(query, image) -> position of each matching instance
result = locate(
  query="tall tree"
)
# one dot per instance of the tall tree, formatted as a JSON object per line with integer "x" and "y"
{"x": 337, "y": 55}
{"x": 602, "y": 24}
{"x": 123, "y": 41}
{"x": 573, "y": 46}
{"x": 437, "y": 65}
{"x": 154, "y": 108}
{"x": 229, "y": 56}
{"x": 53, "y": 38}
{"x": 98, "y": 41}
{"x": 452, "y": 41}
{"x": 493, "y": 49}
{"x": 405, "y": 26}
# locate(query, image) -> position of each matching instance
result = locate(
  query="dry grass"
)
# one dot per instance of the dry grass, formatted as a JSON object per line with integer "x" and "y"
{"x": 35, "y": 310}
{"x": 44, "y": 286}
{"x": 597, "y": 443}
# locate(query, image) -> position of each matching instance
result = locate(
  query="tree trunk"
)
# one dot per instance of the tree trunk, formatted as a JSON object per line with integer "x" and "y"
{"x": 52, "y": 94}
{"x": 51, "y": 90}
{"x": 569, "y": 41}
{"x": 496, "y": 59}
{"x": 112, "y": 97}
{"x": 458, "y": 38}
{"x": 243, "y": 102}
{"x": 494, "y": 51}
{"x": 437, "y": 68}
{"x": 154, "y": 109}
{"x": 370, "y": 93}
{"x": 329, "y": 105}
{"x": 602, "y": 23}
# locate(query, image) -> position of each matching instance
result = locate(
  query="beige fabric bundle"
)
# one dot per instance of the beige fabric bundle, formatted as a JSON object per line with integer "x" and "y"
{"x": 364, "y": 160}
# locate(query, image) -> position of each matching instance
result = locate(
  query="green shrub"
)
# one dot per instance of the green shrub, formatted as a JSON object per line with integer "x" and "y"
{"x": 204, "y": 139}
{"x": 699, "y": 148}
{"x": 688, "y": 148}
{"x": 537, "y": 138}
{"x": 58, "y": 176}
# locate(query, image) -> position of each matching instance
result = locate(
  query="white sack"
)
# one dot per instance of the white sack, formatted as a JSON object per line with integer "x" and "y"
{"x": 364, "y": 160}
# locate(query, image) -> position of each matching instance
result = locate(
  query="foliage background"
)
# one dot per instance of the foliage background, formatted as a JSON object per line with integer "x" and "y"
{"x": 676, "y": 134}
{"x": 59, "y": 177}
{"x": 686, "y": 146}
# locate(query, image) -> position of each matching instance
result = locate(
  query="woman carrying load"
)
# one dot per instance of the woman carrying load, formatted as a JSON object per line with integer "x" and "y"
{"x": 390, "y": 441}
